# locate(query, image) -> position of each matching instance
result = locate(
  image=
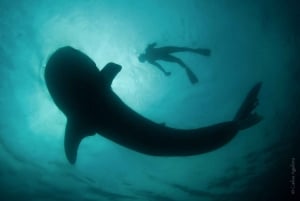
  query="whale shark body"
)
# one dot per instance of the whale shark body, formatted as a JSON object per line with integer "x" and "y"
{"x": 83, "y": 93}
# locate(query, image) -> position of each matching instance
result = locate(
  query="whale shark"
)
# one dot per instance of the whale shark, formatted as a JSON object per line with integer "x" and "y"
{"x": 84, "y": 94}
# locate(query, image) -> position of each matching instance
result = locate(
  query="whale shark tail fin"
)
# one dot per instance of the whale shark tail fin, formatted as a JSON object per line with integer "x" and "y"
{"x": 245, "y": 116}
{"x": 73, "y": 136}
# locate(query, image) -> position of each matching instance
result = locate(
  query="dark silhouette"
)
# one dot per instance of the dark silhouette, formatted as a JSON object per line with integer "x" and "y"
{"x": 153, "y": 54}
{"x": 84, "y": 95}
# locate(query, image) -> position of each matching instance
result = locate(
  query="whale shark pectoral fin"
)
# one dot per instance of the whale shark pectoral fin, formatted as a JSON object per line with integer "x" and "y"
{"x": 110, "y": 71}
{"x": 73, "y": 136}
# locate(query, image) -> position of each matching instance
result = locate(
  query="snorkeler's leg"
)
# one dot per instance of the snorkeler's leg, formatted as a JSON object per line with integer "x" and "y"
{"x": 192, "y": 77}
{"x": 174, "y": 49}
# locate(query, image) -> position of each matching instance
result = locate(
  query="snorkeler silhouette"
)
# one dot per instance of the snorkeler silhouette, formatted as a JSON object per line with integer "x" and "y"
{"x": 153, "y": 54}
{"x": 84, "y": 94}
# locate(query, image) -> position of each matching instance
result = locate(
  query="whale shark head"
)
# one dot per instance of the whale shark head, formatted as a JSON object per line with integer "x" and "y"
{"x": 78, "y": 89}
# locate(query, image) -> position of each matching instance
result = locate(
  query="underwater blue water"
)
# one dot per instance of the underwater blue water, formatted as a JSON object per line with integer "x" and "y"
{"x": 250, "y": 41}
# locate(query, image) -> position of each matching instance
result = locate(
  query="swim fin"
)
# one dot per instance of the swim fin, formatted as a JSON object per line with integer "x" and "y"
{"x": 192, "y": 77}
{"x": 204, "y": 52}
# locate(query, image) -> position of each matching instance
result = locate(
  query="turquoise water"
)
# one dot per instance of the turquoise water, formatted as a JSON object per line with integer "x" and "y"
{"x": 250, "y": 41}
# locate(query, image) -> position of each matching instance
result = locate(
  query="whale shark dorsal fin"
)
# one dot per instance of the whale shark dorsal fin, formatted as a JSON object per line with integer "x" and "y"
{"x": 74, "y": 133}
{"x": 110, "y": 71}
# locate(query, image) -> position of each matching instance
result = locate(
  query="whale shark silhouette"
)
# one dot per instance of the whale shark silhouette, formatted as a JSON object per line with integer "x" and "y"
{"x": 83, "y": 93}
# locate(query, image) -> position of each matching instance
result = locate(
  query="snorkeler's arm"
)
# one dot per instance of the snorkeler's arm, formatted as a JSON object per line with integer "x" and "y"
{"x": 151, "y": 46}
{"x": 160, "y": 67}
